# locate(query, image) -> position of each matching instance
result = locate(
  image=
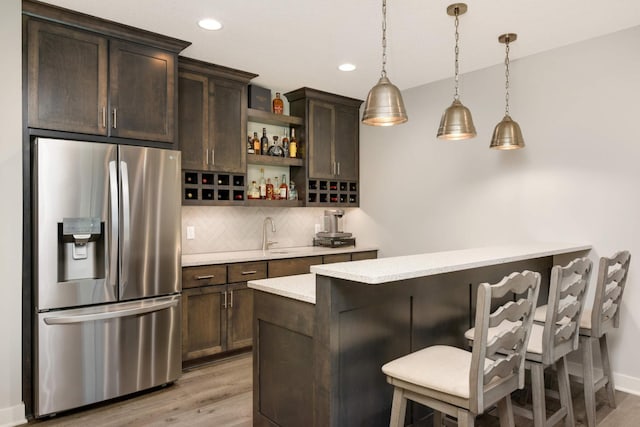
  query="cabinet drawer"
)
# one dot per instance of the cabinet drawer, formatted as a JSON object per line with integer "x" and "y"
{"x": 329, "y": 259}
{"x": 193, "y": 277}
{"x": 244, "y": 271}
{"x": 357, "y": 256}
{"x": 289, "y": 267}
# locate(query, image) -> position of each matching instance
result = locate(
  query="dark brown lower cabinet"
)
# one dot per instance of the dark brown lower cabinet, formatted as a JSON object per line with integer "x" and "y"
{"x": 239, "y": 316}
{"x": 204, "y": 322}
{"x": 217, "y": 305}
{"x": 216, "y": 319}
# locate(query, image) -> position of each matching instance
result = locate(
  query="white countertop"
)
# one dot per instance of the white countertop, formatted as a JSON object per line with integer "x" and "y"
{"x": 273, "y": 253}
{"x": 301, "y": 287}
{"x": 383, "y": 270}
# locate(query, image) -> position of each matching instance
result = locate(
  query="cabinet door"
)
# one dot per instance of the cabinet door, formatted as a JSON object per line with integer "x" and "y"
{"x": 204, "y": 321}
{"x": 142, "y": 84}
{"x": 66, "y": 79}
{"x": 193, "y": 120}
{"x": 227, "y": 125}
{"x": 239, "y": 316}
{"x": 346, "y": 143}
{"x": 320, "y": 145}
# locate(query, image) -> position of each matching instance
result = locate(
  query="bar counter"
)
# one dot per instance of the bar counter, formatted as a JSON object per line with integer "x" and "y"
{"x": 317, "y": 358}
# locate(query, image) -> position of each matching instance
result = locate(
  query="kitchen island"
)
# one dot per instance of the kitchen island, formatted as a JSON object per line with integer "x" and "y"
{"x": 318, "y": 349}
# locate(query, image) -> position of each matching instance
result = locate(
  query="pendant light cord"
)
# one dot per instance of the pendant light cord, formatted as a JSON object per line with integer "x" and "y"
{"x": 506, "y": 75}
{"x": 384, "y": 38}
{"x": 456, "y": 96}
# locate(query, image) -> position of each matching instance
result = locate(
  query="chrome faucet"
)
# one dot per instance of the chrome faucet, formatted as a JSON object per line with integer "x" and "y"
{"x": 266, "y": 243}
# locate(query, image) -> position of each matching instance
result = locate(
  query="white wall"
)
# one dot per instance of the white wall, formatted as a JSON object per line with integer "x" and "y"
{"x": 575, "y": 181}
{"x": 11, "y": 407}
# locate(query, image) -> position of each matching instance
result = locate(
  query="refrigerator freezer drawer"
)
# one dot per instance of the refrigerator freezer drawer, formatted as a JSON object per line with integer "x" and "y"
{"x": 87, "y": 355}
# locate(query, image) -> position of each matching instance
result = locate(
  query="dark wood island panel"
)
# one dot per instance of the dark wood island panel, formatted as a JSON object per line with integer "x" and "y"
{"x": 319, "y": 365}
{"x": 282, "y": 361}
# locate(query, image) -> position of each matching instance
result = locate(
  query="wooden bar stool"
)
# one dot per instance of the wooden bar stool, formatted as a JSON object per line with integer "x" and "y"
{"x": 595, "y": 322}
{"x": 464, "y": 384}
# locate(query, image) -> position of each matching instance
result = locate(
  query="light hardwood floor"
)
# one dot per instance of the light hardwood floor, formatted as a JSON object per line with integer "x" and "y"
{"x": 220, "y": 395}
{"x": 214, "y": 395}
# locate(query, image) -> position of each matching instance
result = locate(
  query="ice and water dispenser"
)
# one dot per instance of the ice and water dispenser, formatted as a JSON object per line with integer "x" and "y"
{"x": 81, "y": 249}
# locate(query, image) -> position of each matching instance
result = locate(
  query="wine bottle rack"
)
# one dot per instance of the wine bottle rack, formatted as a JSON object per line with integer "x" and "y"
{"x": 209, "y": 188}
{"x": 325, "y": 192}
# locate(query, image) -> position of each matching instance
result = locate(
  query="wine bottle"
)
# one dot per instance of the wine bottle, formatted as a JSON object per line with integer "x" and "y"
{"x": 263, "y": 185}
{"x": 285, "y": 144}
{"x": 293, "y": 144}
{"x": 276, "y": 188}
{"x": 264, "y": 142}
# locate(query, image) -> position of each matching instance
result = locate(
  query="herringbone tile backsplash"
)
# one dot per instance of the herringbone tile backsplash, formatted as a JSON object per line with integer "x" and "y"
{"x": 222, "y": 229}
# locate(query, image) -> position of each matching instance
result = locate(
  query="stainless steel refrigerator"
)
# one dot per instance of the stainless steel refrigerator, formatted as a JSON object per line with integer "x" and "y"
{"x": 107, "y": 271}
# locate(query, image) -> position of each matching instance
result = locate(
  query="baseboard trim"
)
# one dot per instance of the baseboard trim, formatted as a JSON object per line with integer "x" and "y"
{"x": 12, "y": 416}
{"x": 627, "y": 383}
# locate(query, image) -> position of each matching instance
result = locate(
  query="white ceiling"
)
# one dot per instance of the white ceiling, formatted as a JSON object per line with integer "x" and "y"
{"x": 294, "y": 43}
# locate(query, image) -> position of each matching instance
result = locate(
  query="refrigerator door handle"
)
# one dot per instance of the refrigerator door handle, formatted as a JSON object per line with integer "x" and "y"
{"x": 126, "y": 226}
{"x": 127, "y": 312}
{"x": 113, "y": 229}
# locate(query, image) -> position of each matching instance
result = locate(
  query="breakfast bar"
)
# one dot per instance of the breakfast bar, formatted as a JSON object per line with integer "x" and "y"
{"x": 320, "y": 339}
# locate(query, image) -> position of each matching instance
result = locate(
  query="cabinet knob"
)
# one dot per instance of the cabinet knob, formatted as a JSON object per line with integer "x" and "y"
{"x": 224, "y": 304}
{"x": 115, "y": 118}
{"x": 205, "y": 277}
{"x": 244, "y": 273}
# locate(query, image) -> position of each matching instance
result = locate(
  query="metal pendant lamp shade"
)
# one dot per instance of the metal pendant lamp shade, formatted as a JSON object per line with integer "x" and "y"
{"x": 507, "y": 134}
{"x": 384, "y": 105}
{"x": 456, "y": 123}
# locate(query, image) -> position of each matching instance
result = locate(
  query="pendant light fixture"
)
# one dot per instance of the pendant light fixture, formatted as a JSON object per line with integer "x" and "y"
{"x": 384, "y": 105}
{"x": 507, "y": 134}
{"x": 456, "y": 123}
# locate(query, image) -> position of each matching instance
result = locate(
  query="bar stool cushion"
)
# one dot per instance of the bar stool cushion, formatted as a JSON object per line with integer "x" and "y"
{"x": 440, "y": 367}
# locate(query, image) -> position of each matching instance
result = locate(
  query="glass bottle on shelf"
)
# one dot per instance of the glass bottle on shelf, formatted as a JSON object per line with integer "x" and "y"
{"x": 264, "y": 142}
{"x": 293, "y": 144}
{"x": 256, "y": 143}
{"x": 276, "y": 188}
{"x": 278, "y": 104}
{"x": 284, "y": 190}
{"x": 254, "y": 192}
{"x": 293, "y": 193}
{"x": 250, "y": 145}
{"x": 285, "y": 144}
{"x": 269, "y": 189}
{"x": 275, "y": 149}
{"x": 263, "y": 185}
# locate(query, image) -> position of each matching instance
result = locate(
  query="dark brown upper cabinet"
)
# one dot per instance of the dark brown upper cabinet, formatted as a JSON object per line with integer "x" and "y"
{"x": 212, "y": 116}
{"x": 331, "y": 142}
{"x": 91, "y": 76}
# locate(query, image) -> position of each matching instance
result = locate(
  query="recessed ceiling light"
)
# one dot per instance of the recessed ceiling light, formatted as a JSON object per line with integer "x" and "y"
{"x": 209, "y": 24}
{"x": 347, "y": 67}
